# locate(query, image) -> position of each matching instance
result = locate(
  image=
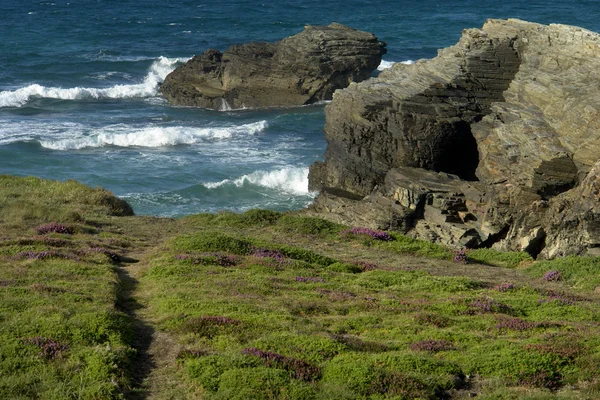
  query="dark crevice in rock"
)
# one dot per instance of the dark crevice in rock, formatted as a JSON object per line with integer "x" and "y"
{"x": 495, "y": 238}
{"x": 461, "y": 157}
{"x": 341, "y": 193}
{"x": 536, "y": 245}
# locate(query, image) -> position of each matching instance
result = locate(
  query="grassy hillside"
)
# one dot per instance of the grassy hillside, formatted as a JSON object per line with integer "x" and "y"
{"x": 98, "y": 304}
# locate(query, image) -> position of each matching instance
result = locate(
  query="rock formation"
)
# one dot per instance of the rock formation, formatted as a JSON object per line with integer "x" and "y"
{"x": 494, "y": 142}
{"x": 301, "y": 69}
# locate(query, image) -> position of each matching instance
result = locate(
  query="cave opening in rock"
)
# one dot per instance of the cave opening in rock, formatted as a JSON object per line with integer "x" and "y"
{"x": 460, "y": 155}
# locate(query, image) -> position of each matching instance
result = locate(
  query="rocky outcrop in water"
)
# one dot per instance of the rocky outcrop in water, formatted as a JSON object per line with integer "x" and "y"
{"x": 301, "y": 69}
{"x": 495, "y": 142}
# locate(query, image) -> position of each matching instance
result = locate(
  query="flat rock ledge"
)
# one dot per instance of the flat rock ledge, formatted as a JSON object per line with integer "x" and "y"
{"x": 493, "y": 143}
{"x": 301, "y": 69}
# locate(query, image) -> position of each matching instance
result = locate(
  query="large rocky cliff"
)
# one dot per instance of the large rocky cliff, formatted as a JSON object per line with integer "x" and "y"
{"x": 301, "y": 69}
{"x": 494, "y": 142}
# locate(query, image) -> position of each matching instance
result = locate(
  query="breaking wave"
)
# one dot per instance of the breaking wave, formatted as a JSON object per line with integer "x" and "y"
{"x": 153, "y": 136}
{"x": 388, "y": 64}
{"x": 157, "y": 72}
{"x": 293, "y": 180}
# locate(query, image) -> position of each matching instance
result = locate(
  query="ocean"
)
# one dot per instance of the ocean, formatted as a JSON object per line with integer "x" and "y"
{"x": 79, "y": 92}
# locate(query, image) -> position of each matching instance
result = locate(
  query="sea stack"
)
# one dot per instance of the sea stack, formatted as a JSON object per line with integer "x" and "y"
{"x": 301, "y": 69}
{"x": 493, "y": 143}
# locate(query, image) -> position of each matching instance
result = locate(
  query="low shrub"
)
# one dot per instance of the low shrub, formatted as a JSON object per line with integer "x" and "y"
{"x": 204, "y": 242}
{"x": 298, "y": 369}
{"x": 307, "y": 225}
{"x": 371, "y": 233}
{"x": 54, "y": 227}
{"x": 50, "y": 349}
{"x": 432, "y": 345}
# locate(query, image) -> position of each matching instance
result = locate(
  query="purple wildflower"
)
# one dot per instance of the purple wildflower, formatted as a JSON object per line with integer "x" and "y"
{"x": 559, "y": 297}
{"x": 432, "y": 345}
{"x": 514, "y": 324}
{"x": 274, "y": 255}
{"x": 298, "y": 368}
{"x": 505, "y": 287}
{"x": 49, "y": 348}
{"x": 43, "y": 255}
{"x": 552, "y": 276}
{"x": 377, "y": 235}
{"x": 487, "y": 305}
{"x": 54, "y": 227}
{"x": 224, "y": 260}
{"x": 460, "y": 256}
{"x": 542, "y": 379}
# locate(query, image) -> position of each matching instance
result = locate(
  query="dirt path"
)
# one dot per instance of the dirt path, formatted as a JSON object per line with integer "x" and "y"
{"x": 154, "y": 373}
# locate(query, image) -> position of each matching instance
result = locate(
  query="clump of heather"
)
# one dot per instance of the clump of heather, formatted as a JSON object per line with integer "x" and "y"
{"x": 311, "y": 279}
{"x": 515, "y": 324}
{"x": 49, "y": 348}
{"x": 210, "y": 326}
{"x": 505, "y": 287}
{"x": 377, "y": 235}
{"x": 366, "y": 266}
{"x": 43, "y": 255}
{"x": 460, "y": 256}
{"x": 298, "y": 368}
{"x": 439, "y": 321}
{"x": 54, "y": 227}
{"x": 541, "y": 379}
{"x": 224, "y": 260}
{"x": 552, "y": 276}
{"x": 432, "y": 345}
{"x": 486, "y": 305}
{"x": 275, "y": 255}
{"x": 559, "y": 297}
{"x": 561, "y": 345}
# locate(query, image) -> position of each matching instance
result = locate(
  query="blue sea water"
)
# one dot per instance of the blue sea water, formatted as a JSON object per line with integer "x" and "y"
{"x": 79, "y": 92}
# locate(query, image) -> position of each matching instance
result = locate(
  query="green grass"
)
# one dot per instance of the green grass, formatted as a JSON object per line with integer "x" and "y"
{"x": 359, "y": 327}
{"x": 328, "y": 316}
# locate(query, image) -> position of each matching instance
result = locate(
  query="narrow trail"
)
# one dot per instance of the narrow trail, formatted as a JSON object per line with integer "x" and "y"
{"x": 154, "y": 375}
{"x": 157, "y": 351}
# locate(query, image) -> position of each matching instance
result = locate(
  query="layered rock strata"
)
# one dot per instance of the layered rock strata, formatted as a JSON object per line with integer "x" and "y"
{"x": 494, "y": 142}
{"x": 301, "y": 69}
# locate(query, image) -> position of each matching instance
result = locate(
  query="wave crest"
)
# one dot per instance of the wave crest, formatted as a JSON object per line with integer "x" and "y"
{"x": 293, "y": 180}
{"x": 157, "y": 72}
{"x": 388, "y": 64}
{"x": 125, "y": 136}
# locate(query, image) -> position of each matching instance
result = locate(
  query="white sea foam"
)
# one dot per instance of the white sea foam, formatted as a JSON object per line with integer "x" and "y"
{"x": 388, "y": 64}
{"x": 148, "y": 88}
{"x": 149, "y": 136}
{"x": 293, "y": 180}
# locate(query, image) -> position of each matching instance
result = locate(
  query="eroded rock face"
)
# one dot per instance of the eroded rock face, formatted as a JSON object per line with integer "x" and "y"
{"x": 495, "y": 142}
{"x": 302, "y": 69}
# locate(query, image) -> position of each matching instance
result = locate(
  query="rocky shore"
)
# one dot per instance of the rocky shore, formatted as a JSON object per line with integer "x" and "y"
{"x": 493, "y": 143}
{"x": 301, "y": 69}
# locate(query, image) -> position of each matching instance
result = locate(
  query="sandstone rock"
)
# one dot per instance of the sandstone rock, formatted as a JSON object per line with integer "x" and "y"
{"x": 302, "y": 69}
{"x": 494, "y": 142}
